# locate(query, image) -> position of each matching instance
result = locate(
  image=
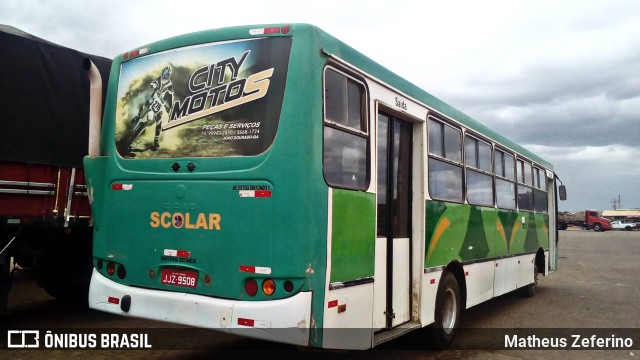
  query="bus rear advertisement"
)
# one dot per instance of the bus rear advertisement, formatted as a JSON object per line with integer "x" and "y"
{"x": 272, "y": 182}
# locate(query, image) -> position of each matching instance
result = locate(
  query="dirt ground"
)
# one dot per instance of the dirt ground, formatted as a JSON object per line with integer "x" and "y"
{"x": 597, "y": 287}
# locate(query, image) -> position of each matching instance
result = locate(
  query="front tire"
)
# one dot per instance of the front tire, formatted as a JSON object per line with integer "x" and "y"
{"x": 447, "y": 311}
{"x": 597, "y": 228}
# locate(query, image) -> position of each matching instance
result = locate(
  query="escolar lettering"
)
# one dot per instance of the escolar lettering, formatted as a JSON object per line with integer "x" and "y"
{"x": 178, "y": 220}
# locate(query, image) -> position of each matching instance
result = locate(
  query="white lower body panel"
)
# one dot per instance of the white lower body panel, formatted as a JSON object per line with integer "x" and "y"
{"x": 512, "y": 273}
{"x": 347, "y": 322}
{"x": 285, "y": 320}
{"x": 479, "y": 279}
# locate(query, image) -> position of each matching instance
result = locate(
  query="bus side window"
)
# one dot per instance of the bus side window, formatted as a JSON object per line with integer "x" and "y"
{"x": 345, "y": 156}
{"x": 445, "y": 162}
{"x": 505, "y": 179}
{"x": 540, "y": 203}
{"x": 479, "y": 176}
{"x": 525, "y": 183}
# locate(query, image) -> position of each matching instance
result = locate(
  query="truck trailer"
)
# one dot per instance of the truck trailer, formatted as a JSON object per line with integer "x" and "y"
{"x": 45, "y": 217}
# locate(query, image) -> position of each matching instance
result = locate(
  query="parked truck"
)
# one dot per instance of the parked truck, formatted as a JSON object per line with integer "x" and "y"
{"x": 588, "y": 219}
{"x": 45, "y": 218}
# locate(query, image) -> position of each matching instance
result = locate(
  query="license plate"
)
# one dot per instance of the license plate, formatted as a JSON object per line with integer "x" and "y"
{"x": 179, "y": 278}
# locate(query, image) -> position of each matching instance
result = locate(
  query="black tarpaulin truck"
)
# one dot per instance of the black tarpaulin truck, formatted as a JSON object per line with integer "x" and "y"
{"x": 45, "y": 218}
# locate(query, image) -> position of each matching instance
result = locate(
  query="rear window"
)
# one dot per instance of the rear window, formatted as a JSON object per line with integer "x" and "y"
{"x": 212, "y": 100}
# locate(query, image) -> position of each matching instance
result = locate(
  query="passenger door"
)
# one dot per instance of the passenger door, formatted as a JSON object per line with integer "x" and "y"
{"x": 394, "y": 148}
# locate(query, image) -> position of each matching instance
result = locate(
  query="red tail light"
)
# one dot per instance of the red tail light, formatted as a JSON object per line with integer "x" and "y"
{"x": 111, "y": 268}
{"x": 251, "y": 287}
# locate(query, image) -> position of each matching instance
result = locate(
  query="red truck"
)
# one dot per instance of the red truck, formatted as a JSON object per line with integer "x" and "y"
{"x": 45, "y": 219}
{"x": 588, "y": 219}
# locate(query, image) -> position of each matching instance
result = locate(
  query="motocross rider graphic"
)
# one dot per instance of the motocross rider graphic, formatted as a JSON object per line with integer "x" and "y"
{"x": 151, "y": 110}
{"x": 163, "y": 91}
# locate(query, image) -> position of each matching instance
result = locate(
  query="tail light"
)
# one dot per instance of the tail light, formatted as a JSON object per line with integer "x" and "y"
{"x": 268, "y": 287}
{"x": 251, "y": 287}
{"x": 111, "y": 268}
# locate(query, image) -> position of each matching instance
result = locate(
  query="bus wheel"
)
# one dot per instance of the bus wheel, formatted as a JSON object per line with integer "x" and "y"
{"x": 447, "y": 311}
{"x": 530, "y": 290}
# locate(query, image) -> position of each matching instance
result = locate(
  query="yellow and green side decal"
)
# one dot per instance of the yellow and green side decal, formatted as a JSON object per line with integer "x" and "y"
{"x": 471, "y": 233}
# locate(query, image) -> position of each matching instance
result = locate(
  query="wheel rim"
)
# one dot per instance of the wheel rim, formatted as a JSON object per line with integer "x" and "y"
{"x": 449, "y": 311}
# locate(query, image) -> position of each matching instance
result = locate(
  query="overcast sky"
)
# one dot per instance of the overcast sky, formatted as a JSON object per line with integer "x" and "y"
{"x": 560, "y": 77}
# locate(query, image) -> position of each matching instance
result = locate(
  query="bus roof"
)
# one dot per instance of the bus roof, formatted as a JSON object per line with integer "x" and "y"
{"x": 331, "y": 45}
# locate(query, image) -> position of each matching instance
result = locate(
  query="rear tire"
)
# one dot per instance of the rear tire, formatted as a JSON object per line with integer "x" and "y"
{"x": 447, "y": 311}
{"x": 64, "y": 268}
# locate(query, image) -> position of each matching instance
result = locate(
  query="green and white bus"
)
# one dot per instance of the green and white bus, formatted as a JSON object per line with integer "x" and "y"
{"x": 271, "y": 181}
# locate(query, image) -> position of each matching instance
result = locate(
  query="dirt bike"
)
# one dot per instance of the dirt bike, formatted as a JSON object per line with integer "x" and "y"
{"x": 148, "y": 113}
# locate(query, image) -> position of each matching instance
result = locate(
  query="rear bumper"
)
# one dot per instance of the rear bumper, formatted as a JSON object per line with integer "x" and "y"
{"x": 284, "y": 320}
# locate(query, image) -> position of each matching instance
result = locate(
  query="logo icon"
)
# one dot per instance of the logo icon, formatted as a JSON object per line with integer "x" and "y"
{"x": 23, "y": 339}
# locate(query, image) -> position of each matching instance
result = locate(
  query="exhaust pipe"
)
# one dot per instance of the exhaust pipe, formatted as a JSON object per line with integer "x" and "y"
{"x": 95, "y": 107}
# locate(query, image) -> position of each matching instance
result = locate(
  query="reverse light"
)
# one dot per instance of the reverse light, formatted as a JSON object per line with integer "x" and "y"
{"x": 268, "y": 287}
{"x": 288, "y": 286}
{"x": 122, "y": 272}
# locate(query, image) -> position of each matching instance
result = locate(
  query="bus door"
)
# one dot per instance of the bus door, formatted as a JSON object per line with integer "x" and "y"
{"x": 393, "y": 249}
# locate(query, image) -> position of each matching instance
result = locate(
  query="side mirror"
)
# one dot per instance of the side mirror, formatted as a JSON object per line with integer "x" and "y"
{"x": 563, "y": 192}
